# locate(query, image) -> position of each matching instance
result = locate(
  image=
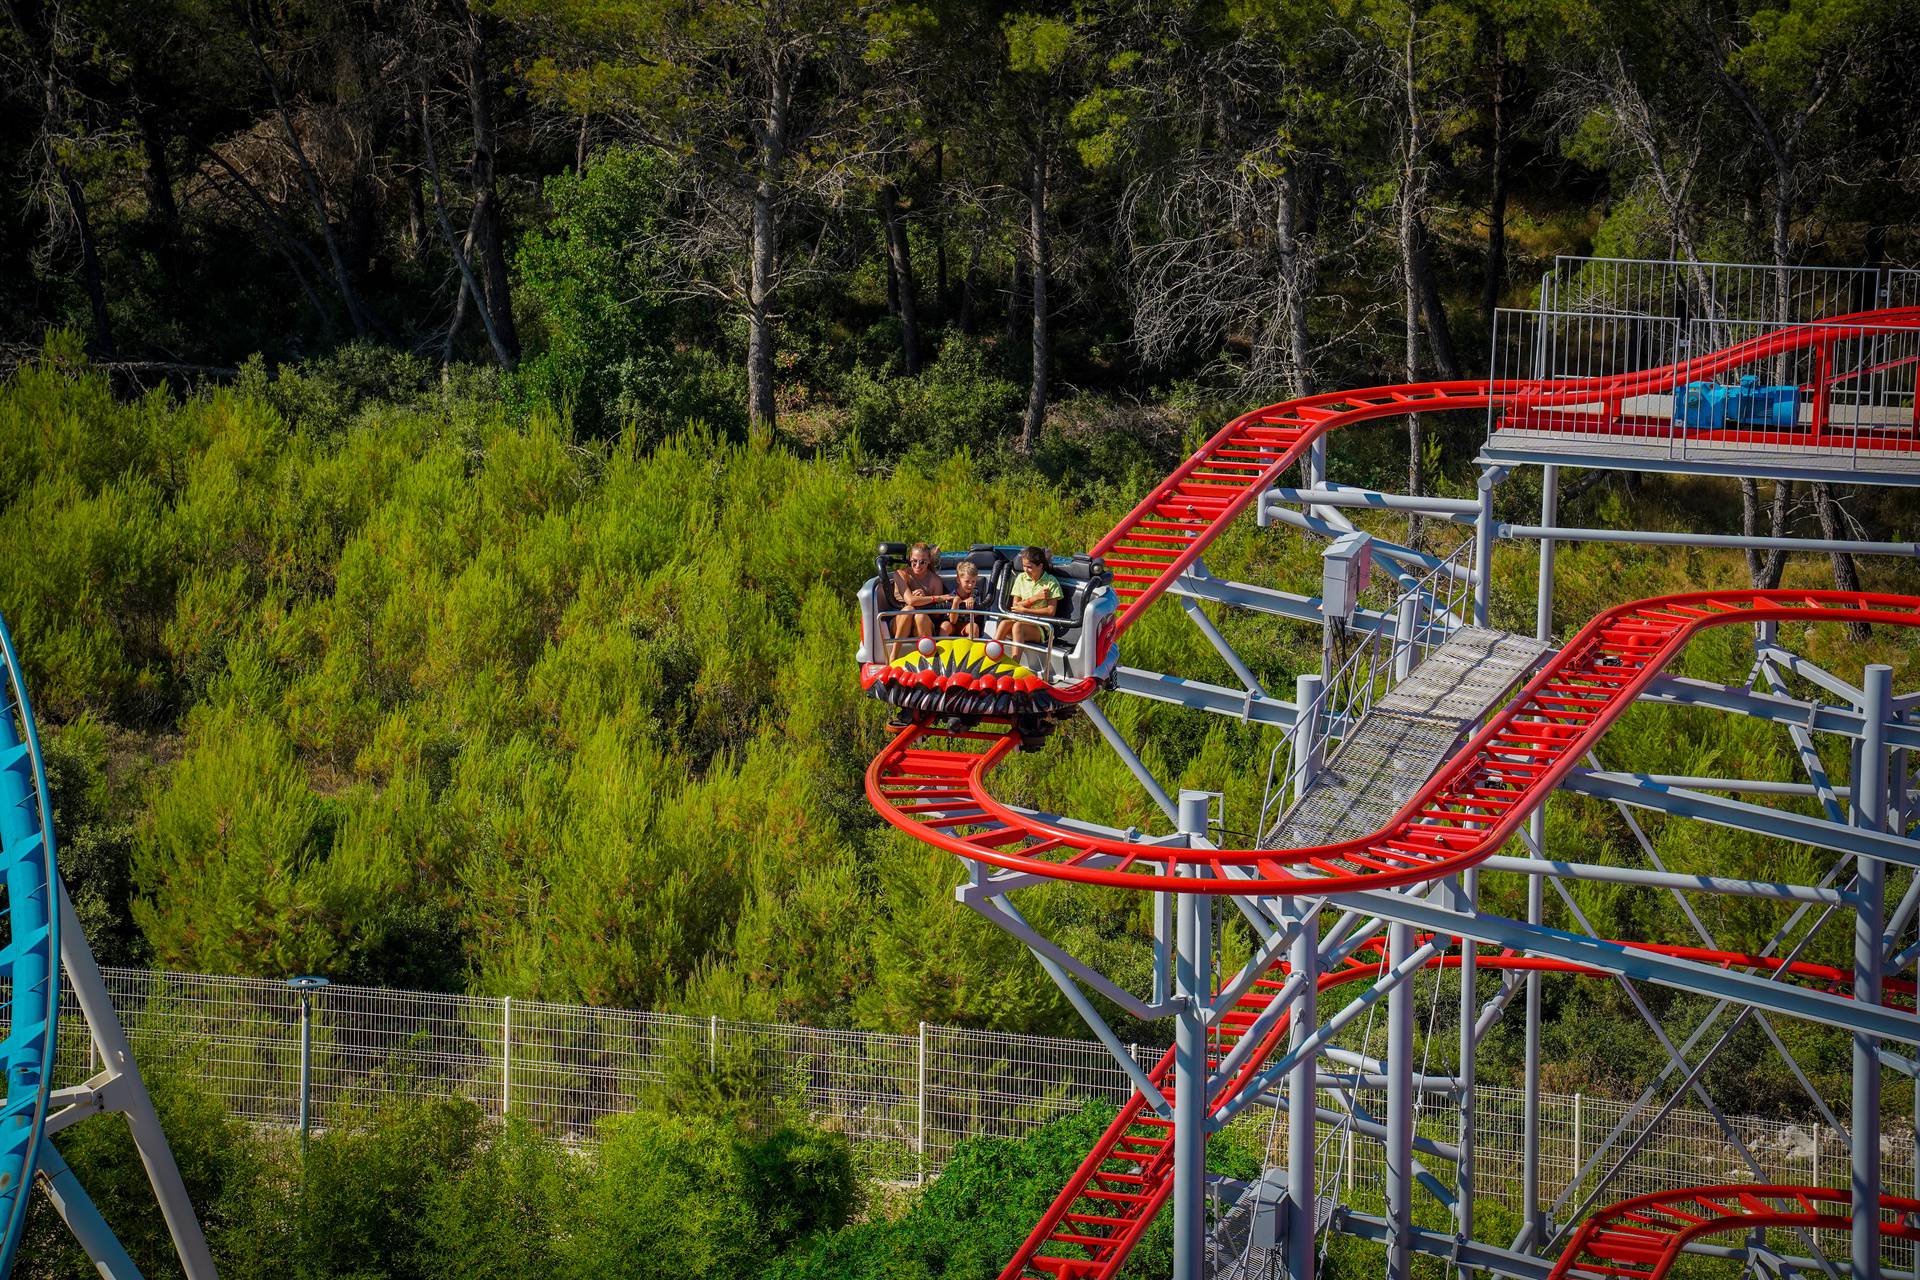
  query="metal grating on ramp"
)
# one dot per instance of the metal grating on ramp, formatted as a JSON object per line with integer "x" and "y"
{"x": 1405, "y": 737}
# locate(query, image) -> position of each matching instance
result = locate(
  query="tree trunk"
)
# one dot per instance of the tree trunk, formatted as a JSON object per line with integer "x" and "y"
{"x": 416, "y": 215}
{"x": 1037, "y": 233}
{"x": 1016, "y": 294}
{"x": 1416, "y": 433}
{"x": 970, "y": 278}
{"x": 1410, "y": 273}
{"x": 461, "y": 260}
{"x": 1295, "y": 270}
{"x": 941, "y": 294}
{"x": 1765, "y": 572}
{"x": 484, "y": 230}
{"x": 1496, "y": 276}
{"x": 1439, "y": 335}
{"x": 1846, "y": 574}
{"x": 900, "y": 272}
{"x": 764, "y": 260}
{"x": 163, "y": 209}
{"x": 44, "y": 47}
{"x": 460, "y": 298}
{"x": 89, "y": 265}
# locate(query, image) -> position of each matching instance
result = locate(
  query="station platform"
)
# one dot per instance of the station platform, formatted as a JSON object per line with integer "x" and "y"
{"x": 1871, "y": 453}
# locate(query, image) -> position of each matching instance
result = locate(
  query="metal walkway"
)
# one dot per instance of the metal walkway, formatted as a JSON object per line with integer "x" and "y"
{"x": 1404, "y": 738}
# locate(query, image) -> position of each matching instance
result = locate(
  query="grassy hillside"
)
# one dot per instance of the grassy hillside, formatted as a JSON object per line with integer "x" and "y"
{"x": 353, "y": 673}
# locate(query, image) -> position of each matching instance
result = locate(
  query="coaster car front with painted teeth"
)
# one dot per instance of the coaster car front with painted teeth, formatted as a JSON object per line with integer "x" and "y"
{"x": 961, "y": 677}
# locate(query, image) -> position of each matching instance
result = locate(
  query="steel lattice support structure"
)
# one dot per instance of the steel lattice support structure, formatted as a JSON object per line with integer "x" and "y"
{"x": 1391, "y": 911}
{"x": 45, "y": 942}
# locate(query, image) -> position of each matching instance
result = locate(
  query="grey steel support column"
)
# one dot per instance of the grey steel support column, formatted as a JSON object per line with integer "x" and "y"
{"x": 1533, "y": 1230}
{"x": 1399, "y": 1150}
{"x": 1302, "y": 1098}
{"x": 1549, "y": 517}
{"x": 1406, "y": 626}
{"x": 1483, "y": 545}
{"x": 1317, "y": 470}
{"x": 1165, "y": 907}
{"x": 1191, "y": 990}
{"x": 76, "y": 1208}
{"x": 116, "y": 1057}
{"x": 1464, "y": 899}
{"x": 1870, "y": 810}
{"x": 1308, "y": 736}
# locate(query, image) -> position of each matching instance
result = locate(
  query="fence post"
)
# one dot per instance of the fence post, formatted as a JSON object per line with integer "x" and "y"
{"x": 920, "y": 1141}
{"x": 1816, "y": 1153}
{"x": 713, "y": 1041}
{"x": 506, "y": 1053}
{"x": 303, "y": 987}
{"x": 1576, "y": 1135}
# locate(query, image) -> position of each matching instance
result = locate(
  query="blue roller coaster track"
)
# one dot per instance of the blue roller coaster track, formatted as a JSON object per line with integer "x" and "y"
{"x": 30, "y": 956}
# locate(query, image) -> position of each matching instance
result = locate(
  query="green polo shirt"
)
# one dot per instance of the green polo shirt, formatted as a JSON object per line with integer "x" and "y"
{"x": 1029, "y": 590}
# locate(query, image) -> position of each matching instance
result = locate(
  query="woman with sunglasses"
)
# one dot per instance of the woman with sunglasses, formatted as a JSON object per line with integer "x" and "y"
{"x": 920, "y": 591}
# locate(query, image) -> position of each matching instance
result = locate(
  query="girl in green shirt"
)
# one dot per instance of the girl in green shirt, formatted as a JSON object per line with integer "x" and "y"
{"x": 1036, "y": 594}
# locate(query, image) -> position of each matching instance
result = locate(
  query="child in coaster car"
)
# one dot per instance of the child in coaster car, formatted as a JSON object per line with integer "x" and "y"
{"x": 967, "y": 596}
{"x": 1034, "y": 593}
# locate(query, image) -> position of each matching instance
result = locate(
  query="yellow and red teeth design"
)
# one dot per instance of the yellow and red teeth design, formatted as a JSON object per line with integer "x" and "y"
{"x": 959, "y": 677}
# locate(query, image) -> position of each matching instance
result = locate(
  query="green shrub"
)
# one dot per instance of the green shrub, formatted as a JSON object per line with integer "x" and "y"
{"x": 690, "y": 1198}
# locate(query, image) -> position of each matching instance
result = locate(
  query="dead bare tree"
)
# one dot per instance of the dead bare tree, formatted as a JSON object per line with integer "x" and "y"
{"x": 44, "y": 77}
{"x": 1779, "y": 126}
{"x": 1227, "y": 233}
{"x": 1670, "y": 143}
{"x": 357, "y": 313}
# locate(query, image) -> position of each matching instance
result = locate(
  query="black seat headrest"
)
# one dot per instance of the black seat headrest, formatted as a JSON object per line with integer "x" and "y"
{"x": 890, "y": 550}
{"x": 1078, "y": 569}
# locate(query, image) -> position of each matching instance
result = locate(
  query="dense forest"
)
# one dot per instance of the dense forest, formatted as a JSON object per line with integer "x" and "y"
{"x": 441, "y": 441}
{"x": 773, "y": 211}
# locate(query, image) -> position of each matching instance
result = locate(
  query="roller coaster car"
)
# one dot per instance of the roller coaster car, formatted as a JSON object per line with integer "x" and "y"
{"x": 961, "y": 676}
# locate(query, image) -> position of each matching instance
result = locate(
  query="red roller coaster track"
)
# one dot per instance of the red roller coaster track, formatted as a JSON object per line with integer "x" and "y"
{"x": 932, "y": 783}
{"x": 1125, "y": 1180}
{"x": 1640, "y": 1238}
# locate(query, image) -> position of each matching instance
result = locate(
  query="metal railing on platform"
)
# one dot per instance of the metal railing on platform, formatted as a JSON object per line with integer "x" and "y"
{"x": 1716, "y": 290}
{"x": 1837, "y": 395}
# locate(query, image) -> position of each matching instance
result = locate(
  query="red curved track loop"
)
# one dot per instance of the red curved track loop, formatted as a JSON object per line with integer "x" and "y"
{"x": 1641, "y": 1238}
{"x": 1114, "y": 1194}
{"x": 932, "y": 783}
{"x": 1171, "y": 526}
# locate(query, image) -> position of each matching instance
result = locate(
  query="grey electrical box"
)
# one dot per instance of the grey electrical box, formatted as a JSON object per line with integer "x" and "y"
{"x": 1269, "y": 1210}
{"x": 1346, "y": 566}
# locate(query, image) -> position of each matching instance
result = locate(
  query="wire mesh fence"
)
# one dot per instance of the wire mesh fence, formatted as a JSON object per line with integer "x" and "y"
{"x": 905, "y": 1101}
